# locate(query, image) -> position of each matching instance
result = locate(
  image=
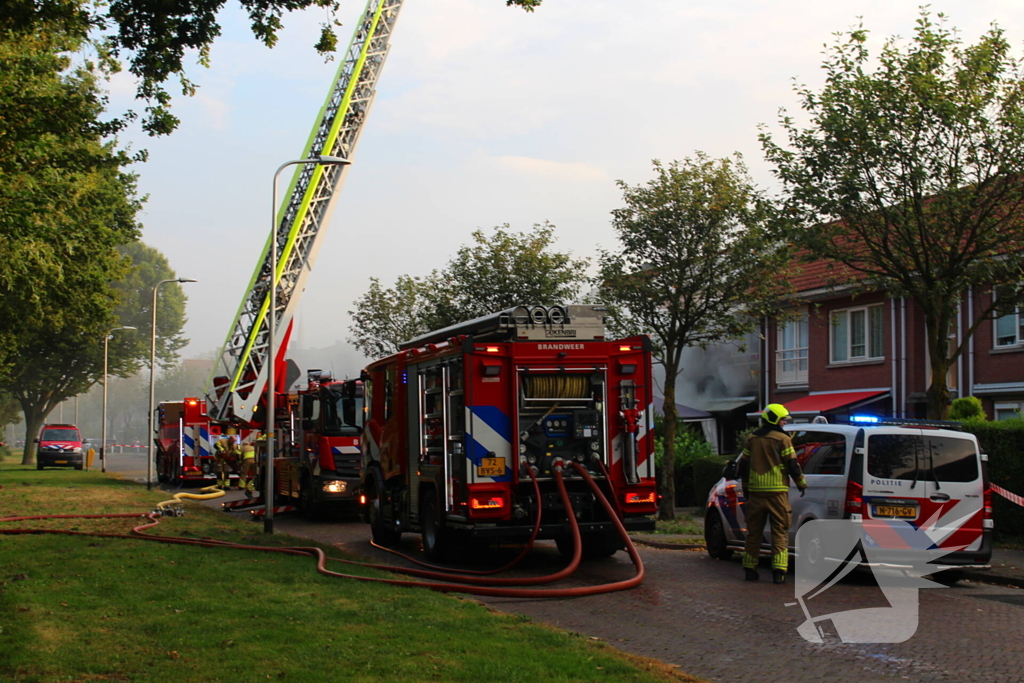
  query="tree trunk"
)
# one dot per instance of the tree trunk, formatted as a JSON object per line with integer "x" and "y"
{"x": 667, "y": 476}
{"x": 33, "y": 424}
{"x": 938, "y": 395}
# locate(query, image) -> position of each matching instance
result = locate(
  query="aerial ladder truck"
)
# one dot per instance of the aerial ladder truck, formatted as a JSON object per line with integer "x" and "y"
{"x": 237, "y": 390}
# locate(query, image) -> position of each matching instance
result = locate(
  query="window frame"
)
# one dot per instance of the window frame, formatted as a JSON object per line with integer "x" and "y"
{"x": 868, "y": 340}
{"x": 802, "y": 360}
{"x": 1018, "y": 325}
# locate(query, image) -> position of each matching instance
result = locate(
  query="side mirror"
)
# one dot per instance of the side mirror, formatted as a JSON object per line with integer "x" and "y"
{"x": 35, "y": 440}
{"x": 729, "y": 471}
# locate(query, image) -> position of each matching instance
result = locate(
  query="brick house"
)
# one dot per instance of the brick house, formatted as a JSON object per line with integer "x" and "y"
{"x": 866, "y": 353}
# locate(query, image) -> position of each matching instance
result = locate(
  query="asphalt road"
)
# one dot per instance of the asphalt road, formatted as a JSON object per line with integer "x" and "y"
{"x": 697, "y": 613}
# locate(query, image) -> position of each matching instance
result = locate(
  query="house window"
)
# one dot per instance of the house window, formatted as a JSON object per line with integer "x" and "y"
{"x": 791, "y": 355}
{"x": 858, "y": 334}
{"x": 1009, "y": 411}
{"x": 1009, "y": 325}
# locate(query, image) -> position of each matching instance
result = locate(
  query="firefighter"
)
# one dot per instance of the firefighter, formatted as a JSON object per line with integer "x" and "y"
{"x": 766, "y": 465}
{"x": 226, "y": 455}
{"x": 247, "y": 469}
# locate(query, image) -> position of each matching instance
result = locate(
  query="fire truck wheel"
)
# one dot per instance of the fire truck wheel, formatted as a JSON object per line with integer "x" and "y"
{"x": 714, "y": 537}
{"x": 383, "y": 533}
{"x": 436, "y": 538}
{"x": 161, "y": 476}
{"x": 311, "y": 510}
{"x": 595, "y": 546}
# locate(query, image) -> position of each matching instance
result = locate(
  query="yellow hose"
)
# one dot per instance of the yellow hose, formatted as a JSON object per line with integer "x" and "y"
{"x": 181, "y": 496}
{"x": 557, "y": 386}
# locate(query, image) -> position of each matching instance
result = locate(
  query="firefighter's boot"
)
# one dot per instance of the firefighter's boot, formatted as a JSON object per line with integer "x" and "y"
{"x": 750, "y": 574}
{"x": 778, "y": 576}
{"x": 250, "y": 487}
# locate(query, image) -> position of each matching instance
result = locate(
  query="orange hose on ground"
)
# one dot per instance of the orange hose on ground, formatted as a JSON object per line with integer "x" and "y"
{"x": 322, "y": 558}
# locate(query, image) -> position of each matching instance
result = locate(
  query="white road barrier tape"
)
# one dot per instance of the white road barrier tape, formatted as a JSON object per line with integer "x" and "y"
{"x": 1012, "y": 497}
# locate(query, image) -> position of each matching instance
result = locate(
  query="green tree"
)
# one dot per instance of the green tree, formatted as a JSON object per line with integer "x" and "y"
{"x": 696, "y": 265}
{"x": 503, "y": 270}
{"x": 58, "y": 363}
{"x": 66, "y": 199}
{"x": 909, "y": 174}
{"x": 496, "y": 272}
{"x": 385, "y": 317}
{"x": 153, "y": 36}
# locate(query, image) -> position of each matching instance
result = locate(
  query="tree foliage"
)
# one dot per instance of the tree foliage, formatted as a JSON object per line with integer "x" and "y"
{"x": 68, "y": 210}
{"x": 385, "y": 317}
{"x": 910, "y": 174}
{"x": 494, "y": 273}
{"x": 153, "y": 36}
{"x": 66, "y": 200}
{"x": 696, "y": 264}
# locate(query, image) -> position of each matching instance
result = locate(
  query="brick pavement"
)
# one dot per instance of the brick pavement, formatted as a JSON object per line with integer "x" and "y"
{"x": 697, "y": 613}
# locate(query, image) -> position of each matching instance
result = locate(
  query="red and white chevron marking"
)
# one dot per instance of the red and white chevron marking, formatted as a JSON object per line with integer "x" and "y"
{"x": 1012, "y": 497}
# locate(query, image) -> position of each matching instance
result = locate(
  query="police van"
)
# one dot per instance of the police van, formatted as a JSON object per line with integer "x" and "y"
{"x": 925, "y": 473}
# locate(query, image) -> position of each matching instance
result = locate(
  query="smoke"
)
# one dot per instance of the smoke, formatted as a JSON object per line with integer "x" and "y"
{"x": 718, "y": 372}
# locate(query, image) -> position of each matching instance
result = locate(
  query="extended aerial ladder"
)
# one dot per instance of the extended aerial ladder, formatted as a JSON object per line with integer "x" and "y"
{"x": 238, "y": 381}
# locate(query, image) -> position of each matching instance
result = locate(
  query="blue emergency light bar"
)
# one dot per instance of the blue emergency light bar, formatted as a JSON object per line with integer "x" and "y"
{"x": 903, "y": 422}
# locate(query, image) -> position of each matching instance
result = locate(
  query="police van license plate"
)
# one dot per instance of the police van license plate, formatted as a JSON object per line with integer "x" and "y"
{"x": 491, "y": 467}
{"x": 894, "y": 511}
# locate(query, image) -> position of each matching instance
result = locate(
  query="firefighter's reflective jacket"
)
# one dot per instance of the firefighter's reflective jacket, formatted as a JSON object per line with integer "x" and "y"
{"x": 768, "y": 461}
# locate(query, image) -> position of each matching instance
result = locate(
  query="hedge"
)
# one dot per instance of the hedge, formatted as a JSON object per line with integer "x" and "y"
{"x": 1004, "y": 443}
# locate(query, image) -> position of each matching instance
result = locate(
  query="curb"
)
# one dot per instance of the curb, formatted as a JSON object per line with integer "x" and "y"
{"x": 668, "y": 546}
{"x": 996, "y": 579}
{"x": 976, "y": 576}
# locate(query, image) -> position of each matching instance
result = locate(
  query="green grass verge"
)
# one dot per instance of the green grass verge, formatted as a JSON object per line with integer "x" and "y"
{"x": 88, "y": 608}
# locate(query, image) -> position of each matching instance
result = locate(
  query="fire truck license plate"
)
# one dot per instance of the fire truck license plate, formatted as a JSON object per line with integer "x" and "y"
{"x": 895, "y": 511}
{"x": 491, "y": 467}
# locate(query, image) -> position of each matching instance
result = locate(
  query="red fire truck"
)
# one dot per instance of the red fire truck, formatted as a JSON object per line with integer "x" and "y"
{"x": 184, "y": 441}
{"x": 320, "y": 462}
{"x": 458, "y": 417}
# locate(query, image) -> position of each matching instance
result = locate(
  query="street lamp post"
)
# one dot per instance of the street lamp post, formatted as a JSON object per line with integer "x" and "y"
{"x": 103, "y": 437}
{"x": 268, "y": 475}
{"x": 152, "y": 364}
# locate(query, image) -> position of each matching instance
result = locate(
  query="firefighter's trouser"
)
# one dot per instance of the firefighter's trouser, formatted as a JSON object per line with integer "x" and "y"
{"x": 247, "y": 472}
{"x": 225, "y": 467}
{"x": 758, "y": 509}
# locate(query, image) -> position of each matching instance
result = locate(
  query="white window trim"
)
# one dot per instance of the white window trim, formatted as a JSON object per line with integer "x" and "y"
{"x": 850, "y": 359}
{"x": 1007, "y": 405}
{"x": 797, "y": 376}
{"x": 1018, "y": 315}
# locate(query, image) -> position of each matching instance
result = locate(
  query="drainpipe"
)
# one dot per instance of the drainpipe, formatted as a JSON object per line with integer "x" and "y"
{"x": 892, "y": 335}
{"x": 969, "y": 390}
{"x": 903, "y": 356}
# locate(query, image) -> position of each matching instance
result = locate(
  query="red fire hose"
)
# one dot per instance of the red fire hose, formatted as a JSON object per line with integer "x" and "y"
{"x": 490, "y": 589}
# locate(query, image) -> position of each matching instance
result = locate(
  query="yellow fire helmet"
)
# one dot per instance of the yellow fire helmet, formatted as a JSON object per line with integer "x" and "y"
{"x": 774, "y": 412}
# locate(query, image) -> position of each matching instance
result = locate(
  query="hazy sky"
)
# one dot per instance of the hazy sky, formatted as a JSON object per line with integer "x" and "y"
{"x": 484, "y": 115}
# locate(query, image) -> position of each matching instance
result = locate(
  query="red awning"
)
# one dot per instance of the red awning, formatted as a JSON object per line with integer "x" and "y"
{"x": 823, "y": 403}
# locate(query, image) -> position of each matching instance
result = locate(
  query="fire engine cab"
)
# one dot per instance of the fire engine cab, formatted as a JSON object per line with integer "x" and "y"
{"x": 459, "y": 417}
{"x": 320, "y": 434}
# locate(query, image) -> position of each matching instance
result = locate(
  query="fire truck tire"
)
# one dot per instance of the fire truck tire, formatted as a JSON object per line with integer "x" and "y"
{"x": 311, "y": 510}
{"x": 436, "y": 538}
{"x": 381, "y": 531}
{"x": 714, "y": 537}
{"x": 595, "y": 546}
{"x": 161, "y": 476}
